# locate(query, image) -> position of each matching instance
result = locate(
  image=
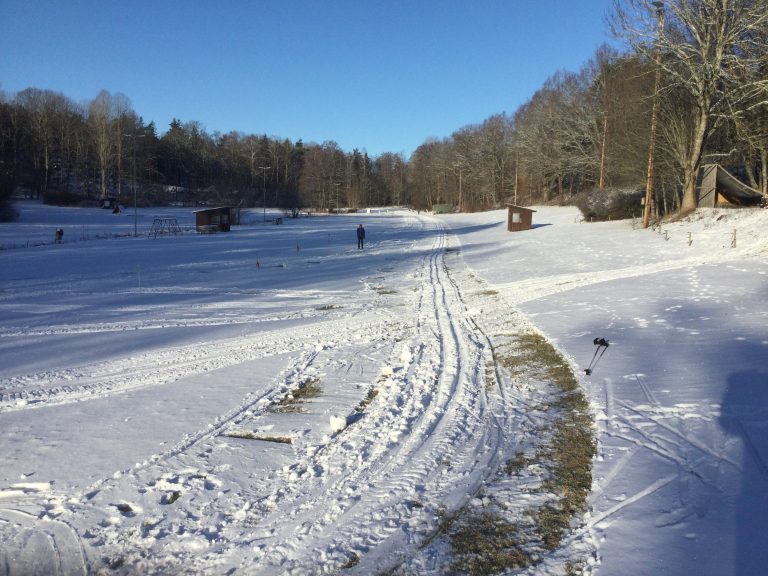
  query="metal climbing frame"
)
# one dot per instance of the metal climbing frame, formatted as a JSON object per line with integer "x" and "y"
{"x": 163, "y": 226}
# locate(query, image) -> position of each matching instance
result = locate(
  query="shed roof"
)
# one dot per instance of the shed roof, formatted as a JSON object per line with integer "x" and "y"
{"x": 730, "y": 187}
{"x": 213, "y": 209}
{"x": 516, "y": 207}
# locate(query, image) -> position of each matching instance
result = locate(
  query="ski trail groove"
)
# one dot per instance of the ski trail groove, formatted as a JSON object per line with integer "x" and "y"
{"x": 373, "y": 490}
{"x": 151, "y": 369}
{"x": 445, "y": 411}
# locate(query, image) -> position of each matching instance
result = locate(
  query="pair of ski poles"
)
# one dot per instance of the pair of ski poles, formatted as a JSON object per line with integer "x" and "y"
{"x": 602, "y": 345}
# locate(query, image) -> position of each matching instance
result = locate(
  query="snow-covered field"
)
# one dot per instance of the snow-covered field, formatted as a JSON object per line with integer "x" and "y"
{"x": 275, "y": 401}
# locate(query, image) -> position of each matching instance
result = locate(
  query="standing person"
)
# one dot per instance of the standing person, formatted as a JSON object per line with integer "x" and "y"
{"x": 360, "y": 236}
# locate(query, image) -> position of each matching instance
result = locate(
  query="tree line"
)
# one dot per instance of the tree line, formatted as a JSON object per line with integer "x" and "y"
{"x": 54, "y": 148}
{"x": 589, "y": 132}
{"x": 698, "y": 67}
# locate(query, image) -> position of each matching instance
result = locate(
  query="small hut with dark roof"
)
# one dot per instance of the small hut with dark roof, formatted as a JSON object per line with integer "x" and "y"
{"x": 213, "y": 219}
{"x": 519, "y": 218}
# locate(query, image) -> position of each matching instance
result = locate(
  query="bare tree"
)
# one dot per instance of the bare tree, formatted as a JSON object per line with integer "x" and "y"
{"x": 750, "y": 117}
{"x": 427, "y": 174}
{"x": 707, "y": 51}
{"x": 323, "y": 168}
{"x": 496, "y": 138}
{"x": 752, "y": 128}
{"x": 10, "y": 140}
{"x": 101, "y": 113}
{"x": 391, "y": 169}
{"x": 624, "y": 86}
{"x": 45, "y": 110}
{"x": 466, "y": 167}
{"x": 122, "y": 119}
{"x": 542, "y": 138}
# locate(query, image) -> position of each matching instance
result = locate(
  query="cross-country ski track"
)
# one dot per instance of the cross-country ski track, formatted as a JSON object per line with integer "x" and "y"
{"x": 326, "y": 410}
{"x": 363, "y": 483}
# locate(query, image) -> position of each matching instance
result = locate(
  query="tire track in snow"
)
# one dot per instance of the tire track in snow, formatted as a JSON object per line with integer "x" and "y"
{"x": 388, "y": 460}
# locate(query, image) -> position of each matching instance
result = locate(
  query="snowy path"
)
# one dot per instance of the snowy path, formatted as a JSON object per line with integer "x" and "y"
{"x": 171, "y": 406}
{"x": 402, "y": 427}
{"x": 682, "y": 420}
{"x": 680, "y": 481}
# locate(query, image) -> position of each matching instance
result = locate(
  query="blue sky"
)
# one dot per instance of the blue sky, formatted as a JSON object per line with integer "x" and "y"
{"x": 378, "y": 75}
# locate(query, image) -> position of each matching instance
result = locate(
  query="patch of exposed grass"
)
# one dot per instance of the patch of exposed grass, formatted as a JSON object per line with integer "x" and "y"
{"x": 568, "y": 456}
{"x": 170, "y": 498}
{"x": 490, "y": 376}
{"x": 575, "y": 568}
{"x": 276, "y": 439}
{"x": 382, "y": 291}
{"x": 243, "y": 434}
{"x": 353, "y": 561}
{"x": 570, "y": 453}
{"x": 293, "y": 401}
{"x": 550, "y": 523}
{"x": 488, "y": 292}
{"x": 365, "y": 402}
{"x": 248, "y": 435}
{"x": 516, "y": 464}
{"x": 329, "y": 307}
{"x": 534, "y": 352}
{"x": 485, "y": 544}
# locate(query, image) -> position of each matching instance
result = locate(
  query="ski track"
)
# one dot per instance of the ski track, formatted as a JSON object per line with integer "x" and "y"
{"x": 417, "y": 435}
{"x": 530, "y": 289}
{"x": 688, "y": 437}
{"x": 161, "y": 323}
{"x": 155, "y": 368}
{"x": 366, "y": 497}
{"x": 371, "y": 492}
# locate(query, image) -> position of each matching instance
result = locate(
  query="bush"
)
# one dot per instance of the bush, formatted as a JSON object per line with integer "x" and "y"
{"x": 610, "y": 203}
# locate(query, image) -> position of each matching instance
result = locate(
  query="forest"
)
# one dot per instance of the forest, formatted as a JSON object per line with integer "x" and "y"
{"x": 689, "y": 88}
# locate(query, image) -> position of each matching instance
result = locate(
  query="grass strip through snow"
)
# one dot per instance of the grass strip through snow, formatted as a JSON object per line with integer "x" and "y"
{"x": 490, "y": 541}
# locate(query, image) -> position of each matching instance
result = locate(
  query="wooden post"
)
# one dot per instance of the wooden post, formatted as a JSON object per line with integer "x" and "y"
{"x": 654, "y": 114}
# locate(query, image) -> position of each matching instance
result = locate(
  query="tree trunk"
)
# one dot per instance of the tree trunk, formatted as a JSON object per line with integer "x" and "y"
{"x": 691, "y": 169}
{"x": 46, "y": 166}
{"x": 601, "y": 178}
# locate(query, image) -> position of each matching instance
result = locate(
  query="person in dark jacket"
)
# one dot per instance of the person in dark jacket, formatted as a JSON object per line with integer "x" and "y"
{"x": 360, "y": 236}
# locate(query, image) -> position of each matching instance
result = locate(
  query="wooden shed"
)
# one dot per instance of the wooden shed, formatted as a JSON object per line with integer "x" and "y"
{"x": 519, "y": 218}
{"x": 715, "y": 186}
{"x": 213, "y": 220}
